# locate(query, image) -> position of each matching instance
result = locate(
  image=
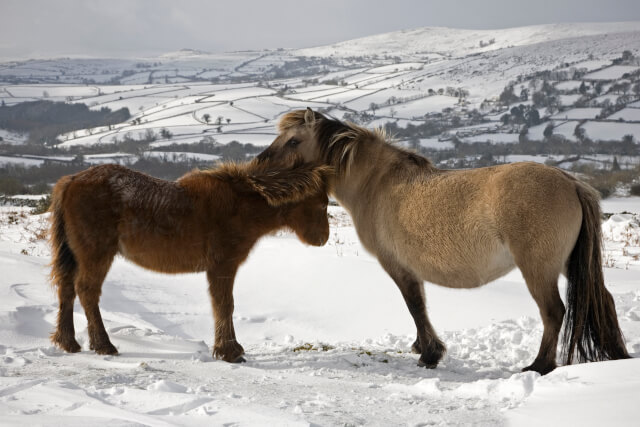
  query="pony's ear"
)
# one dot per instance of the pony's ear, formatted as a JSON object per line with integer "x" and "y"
{"x": 291, "y": 185}
{"x": 309, "y": 117}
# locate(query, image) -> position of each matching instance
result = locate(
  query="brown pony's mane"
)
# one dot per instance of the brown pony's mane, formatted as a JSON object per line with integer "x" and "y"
{"x": 339, "y": 141}
{"x": 277, "y": 184}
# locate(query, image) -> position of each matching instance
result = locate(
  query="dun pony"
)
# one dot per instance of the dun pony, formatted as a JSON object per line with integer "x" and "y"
{"x": 463, "y": 229}
{"x": 205, "y": 221}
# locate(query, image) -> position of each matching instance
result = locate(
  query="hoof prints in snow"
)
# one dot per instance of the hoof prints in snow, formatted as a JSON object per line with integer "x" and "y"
{"x": 312, "y": 356}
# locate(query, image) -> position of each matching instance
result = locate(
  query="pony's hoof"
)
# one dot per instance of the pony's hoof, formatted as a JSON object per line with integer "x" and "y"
{"x": 542, "y": 369}
{"x": 427, "y": 365}
{"x": 68, "y": 345}
{"x": 430, "y": 358}
{"x": 107, "y": 350}
{"x": 231, "y": 353}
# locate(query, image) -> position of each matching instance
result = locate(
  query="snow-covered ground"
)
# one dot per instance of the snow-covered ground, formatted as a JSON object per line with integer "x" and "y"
{"x": 577, "y": 114}
{"x": 11, "y": 160}
{"x": 611, "y": 73}
{"x": 611, "y": 131}
{"x": 400, "y": 76}
{"x": 494, "y": 138}
{"x": 327, "y": 339}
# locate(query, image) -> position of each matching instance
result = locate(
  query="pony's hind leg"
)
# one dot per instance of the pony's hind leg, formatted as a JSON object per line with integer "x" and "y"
{"x": 427, "y": 343}
{"x": 64, "y": 336}
{"x": 225, "y": 345}
{"x": 88, "y": 286}
{"x": 547, "y": 297}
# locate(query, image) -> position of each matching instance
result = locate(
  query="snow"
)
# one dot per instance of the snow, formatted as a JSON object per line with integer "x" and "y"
{"x": 611, "y": 73}
{"x": 569, "y": 99}
{"x": 577, "y": 114}
{"x": 458, "y": 42}
{"x": 569, "y": 85}
{"x": 513, "y": 158}
{"x": 611, "y": 131}
{"x": 9, "y": 137}
{"x": 29, "y": 196}
{"x": 626, "y": 114}
{"x": 567, "y": 130}
{"x": 313, "y": 355}
{"x": 173, "y": 156}
{"x": 418, "y": 108}
{"x": 10, "y": 160}
{"x": 53, "y": 91}
{"x": 612, "y": 98}
{"x": 435, "y": 144}
{"x": 621, "y": 204}
{"x": 590, "y": 65}
{"x": 258, "y": 139}
{"x": 404, "y": 65}
{"x": 493, "y": 138}
{"x": 120, "y": 158}
{"x": 407, "y": 66}
{"x": 567, "y": 396}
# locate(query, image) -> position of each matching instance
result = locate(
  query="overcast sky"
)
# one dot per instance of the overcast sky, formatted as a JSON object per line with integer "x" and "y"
{"x": 35, "y": 28}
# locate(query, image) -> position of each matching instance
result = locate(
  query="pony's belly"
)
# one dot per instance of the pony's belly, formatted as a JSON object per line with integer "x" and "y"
{"x": 471, "y": 271}
{"x": 160, "y": 258}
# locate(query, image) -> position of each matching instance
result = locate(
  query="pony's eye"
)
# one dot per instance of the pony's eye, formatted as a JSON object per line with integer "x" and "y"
{"x": 293, "y": 142}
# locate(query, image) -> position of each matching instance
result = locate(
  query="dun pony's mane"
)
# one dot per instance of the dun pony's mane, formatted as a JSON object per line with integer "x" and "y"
{"x": 339, "y": 140}
{"x": 277, "y": 184}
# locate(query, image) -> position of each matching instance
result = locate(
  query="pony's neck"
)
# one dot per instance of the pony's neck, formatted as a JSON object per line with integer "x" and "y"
{"x": 358, "y": 179}
{"x": 374, "y": 165}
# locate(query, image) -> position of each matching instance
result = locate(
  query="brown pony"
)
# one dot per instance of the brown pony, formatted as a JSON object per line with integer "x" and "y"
{"x": 463, "y": 229}
{"x": 205, "y": 221}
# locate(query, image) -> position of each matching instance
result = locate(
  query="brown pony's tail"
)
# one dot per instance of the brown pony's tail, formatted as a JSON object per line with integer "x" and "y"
{"x": 63, "y": 262}
{"x": 591, "y": 324}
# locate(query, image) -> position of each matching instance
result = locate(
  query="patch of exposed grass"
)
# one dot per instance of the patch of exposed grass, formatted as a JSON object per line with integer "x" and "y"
{"x": 310, "y": 347}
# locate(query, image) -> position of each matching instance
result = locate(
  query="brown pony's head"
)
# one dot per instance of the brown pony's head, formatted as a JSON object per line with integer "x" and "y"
{"x": 309, "y": 220}
{"x": 300, "y": 191}
{"x": 316, "y": 138}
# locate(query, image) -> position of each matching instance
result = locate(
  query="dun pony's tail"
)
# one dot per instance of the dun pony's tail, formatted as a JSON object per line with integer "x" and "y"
{"x": 591, "y": 324}
{"x": 63, "y": 262}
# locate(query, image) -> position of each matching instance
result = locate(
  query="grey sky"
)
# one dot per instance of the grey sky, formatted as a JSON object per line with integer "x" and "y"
{"x": 31, "y": 28}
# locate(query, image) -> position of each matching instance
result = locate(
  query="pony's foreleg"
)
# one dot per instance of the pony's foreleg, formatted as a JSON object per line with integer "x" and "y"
{"x": 225, "y": 346}
{"x": 545, "y": 293}
{"x": 88, "y": 286}
{"x": 427, "y": 343}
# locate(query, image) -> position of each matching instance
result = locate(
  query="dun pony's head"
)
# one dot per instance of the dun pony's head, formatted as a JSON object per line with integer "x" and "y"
{"x": 316, "y": 138}
{"x": 299, "y": 191}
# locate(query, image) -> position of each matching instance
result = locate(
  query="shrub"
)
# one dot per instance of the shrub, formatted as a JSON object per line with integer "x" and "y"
{"x": 10, "y": 186}
{"x": 607, "y": 181}
{"x": 42, "y": 206}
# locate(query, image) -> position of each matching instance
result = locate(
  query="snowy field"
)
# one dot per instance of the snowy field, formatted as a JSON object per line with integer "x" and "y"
{"x": 327, "y": 339}
{"x": 611, "y": 131}
{"x": 577, "y": 114}
{"x": 428, "y": 65}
